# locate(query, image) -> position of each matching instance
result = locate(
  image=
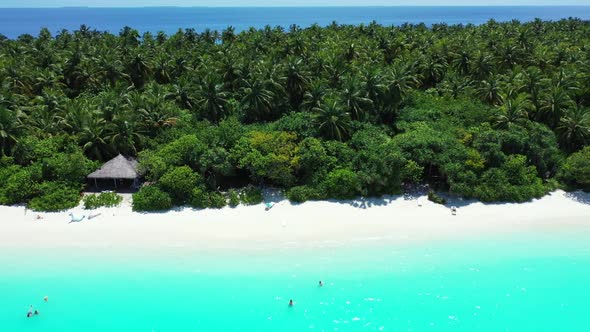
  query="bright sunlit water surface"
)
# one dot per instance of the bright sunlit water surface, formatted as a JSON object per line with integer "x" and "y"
{"x": 534, "y": 282}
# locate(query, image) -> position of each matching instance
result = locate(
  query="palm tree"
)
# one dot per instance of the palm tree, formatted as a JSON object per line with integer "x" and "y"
{"x": 211, "y": 98}
{"x": 574, "y": 128}
{"x": 333, "y": 120}
{"x": 297, "y": 80}
{"x": 230, "y": 71}
{"x": 354, "y": 100}
{"x": 139, "y": 69}
{"x": 533, "y": 84}
{"x": 489, "y": 91}
{"x": 10, "y": 128}
{"x": 455, "y": 85}
{"x": 433, "y": 70}
{"x": 315, "y": 94}
{"x": 181, "y": 93}
{"x": 110, "y": 68}
{"x": 75, "y": 115}
{"x": 462, "y": 61}
{"x": 374, "y": 85}
{"x": 481, "y": 66}
{"x": 47, "y": 79}
{"x": 400, "y": 79}
{"x": 125, "y": 137}
{"x": 256, "y": 98}
{"x": 554, "y": 103}
{"x": 163, "y": 68}
{"x": 94, "y": 139}
{"x": 514, "y": 110}
{"x": 228, "y": 35}
{"x": 152, "y": 110}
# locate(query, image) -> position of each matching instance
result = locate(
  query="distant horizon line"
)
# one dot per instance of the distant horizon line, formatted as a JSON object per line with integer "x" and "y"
{"x": 312, "y": 6}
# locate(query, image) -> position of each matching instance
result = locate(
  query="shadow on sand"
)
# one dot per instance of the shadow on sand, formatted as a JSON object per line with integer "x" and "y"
{"x": 579, "y": 196}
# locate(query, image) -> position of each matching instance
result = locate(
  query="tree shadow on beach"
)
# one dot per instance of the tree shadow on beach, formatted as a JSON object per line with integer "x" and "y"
{"x": 367, "y": 202}
{"x": 163, "y": 212}
{"x": 273, "y": 195}
{"x": 579, "y": 196}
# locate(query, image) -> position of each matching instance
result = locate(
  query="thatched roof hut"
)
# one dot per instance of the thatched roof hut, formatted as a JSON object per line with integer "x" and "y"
{"x": 118, "y": 168}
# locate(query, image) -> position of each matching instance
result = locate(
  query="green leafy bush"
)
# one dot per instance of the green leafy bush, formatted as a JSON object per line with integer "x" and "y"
{"x": 217, "y": 200}
{"x": 184, "y": 151}
{"x": 179, "y": 183}
{"x": 20, "y": 186}
{"x": 301, "y": 194}
{"x": 251, "y": 196}
{"x": 268, "y": 155}
{"x": 30, "y": 149}
{"x": 55, "y": 196}
{"x": 106, "y": 199}
{"x": 433, "y": 197}
{"x": 342, "y": 184}
{"x": 200, "y": 199}
{"x": 72, "y": 167}
{"x": 151, "y": 198}
{"x": 234, "y": 198}
{"x": 575, "y": 172}
{"x": 412, "y": 172}
{"x": 152, "y": 165}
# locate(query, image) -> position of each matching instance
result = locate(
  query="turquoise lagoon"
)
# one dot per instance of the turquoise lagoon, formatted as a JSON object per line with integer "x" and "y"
{"x": 521, "y": 282}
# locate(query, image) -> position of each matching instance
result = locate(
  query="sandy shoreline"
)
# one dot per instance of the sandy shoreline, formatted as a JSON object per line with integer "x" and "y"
{"x": 310, "y": 225}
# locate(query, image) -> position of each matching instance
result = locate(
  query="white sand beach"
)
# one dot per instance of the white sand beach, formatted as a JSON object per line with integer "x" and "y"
{"x": 395, "y": 220}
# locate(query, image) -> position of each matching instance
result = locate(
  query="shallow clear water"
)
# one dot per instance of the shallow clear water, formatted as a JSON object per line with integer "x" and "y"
{"x": 537, "y": 282}
{"x": 14, "y": 22}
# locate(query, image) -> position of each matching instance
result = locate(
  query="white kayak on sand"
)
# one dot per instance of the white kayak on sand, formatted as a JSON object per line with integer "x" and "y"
{"x": 76, "y": 217}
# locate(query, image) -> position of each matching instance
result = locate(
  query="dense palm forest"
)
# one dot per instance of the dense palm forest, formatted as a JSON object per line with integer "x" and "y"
{"x": 497, "y": 112}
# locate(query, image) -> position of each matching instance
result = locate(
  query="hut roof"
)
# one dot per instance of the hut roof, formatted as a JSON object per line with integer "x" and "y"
{"x": 117, "y": 168}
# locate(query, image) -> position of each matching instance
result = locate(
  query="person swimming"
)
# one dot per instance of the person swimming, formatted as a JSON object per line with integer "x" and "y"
{"x": 30, "y": 313}
{"x": 290, "y": 303}
{"x": 36, "y": 312}
{"x": 321, "y": 283}
{"x": 46, "y": 298}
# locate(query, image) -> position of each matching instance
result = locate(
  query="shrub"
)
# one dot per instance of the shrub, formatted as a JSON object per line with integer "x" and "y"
{"x": 20, "y": 186}
{"x": 234, "y": 199}
{"x": 186, "y": 150}
{"x": 200, "y": 199}
{"x": 412, "y": 172}
{"x": 575, "y": 172}
{"x": 301, "y": 194}
{"x": 106, "y": 199}
{"x": 433, "y": 197}
{"x": 6, "y": 172}
{"x": 342, "y": 184}
{"x": 514, "y": 181}
{"x": 179, "y": 183}
{"x": 6, "y": 161}
{"x": 151, "y": 198}
{"x": 217, "y": 200}
{"x": 251, "y": 196}
{"x": 268, "y": 155}
{"x": 55, "y": 196}
{"x": 73, "y": 167}
{"x": 29, "y": 149}
{"x": 152, "y": 165}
